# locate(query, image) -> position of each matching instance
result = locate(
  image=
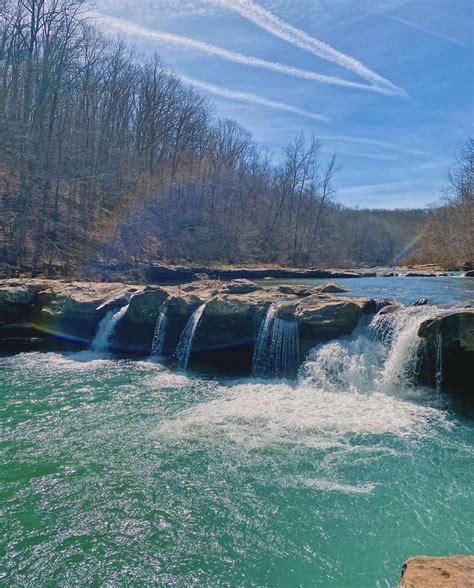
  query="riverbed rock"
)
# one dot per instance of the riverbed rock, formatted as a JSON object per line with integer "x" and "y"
{"x": 438, "y": 572}
{"x": 241, "y": 286}
{"x": 135, "y": 331}
{"x": 389, "y": 309}
{"x": 469, "y": 274}
{"x": 16, "y": 301}
{"x": 331, "y": 288}
{"x": 320, "y": 320}
{"x": 452, "y": 336}
{"x": 231, "y": 319}
{"x": 420, "y": 302}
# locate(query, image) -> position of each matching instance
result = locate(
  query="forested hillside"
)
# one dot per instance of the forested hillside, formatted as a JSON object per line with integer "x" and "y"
{"x": 107, "y": 155}
{"x": 449, "y": 234}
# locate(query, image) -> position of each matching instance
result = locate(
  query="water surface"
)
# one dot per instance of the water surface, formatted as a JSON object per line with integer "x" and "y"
{"x": 120, "y": 472}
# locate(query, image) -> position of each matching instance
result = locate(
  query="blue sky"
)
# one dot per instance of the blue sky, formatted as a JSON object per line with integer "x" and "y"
{"x": 386, "y": 84}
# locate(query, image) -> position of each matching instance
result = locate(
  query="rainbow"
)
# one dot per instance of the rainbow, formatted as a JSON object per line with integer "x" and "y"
{"x": 57, "y": 333}
{"x": 408, "y": 247}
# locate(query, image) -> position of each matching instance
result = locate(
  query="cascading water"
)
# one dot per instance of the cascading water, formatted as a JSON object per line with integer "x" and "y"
{"x": 439, "y": 362}
{"x": 276, "y": 351}
{"x": 382, "y": 356}
{"x": 159, "y": 335}
{"x": 183, "y": 350}
{"x": 106, "y": 329}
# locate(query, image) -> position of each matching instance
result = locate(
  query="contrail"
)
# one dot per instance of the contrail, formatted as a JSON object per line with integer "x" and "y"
{"x": 372, "y": 142}
{"x": 427, "y": 31}
{"x": 279, "y": 28}
{"x": 130, "y": 28}
{"x": 249, "y": 97}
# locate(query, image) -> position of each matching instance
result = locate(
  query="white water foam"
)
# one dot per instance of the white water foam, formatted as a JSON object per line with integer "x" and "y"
{"x": 357, "y": 385}
{"x": 382, "y": 357}
{"x": 324, "y": 485}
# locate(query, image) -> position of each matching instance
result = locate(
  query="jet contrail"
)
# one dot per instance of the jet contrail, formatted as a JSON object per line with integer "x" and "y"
{"x": 427, "y": 31}
{"x": 130, "y": 28}
{"x": 372, "y": 142}
{"x": 279, "y": 28}
{"x": 249, "y": 97}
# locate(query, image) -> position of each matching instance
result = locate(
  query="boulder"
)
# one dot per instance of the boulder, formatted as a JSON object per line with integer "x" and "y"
{"x": 389, "y": 309}
{"x": 438, "y": 572}
{"x": 240, "y": 286}
{"x": 74, "y": 310}
{"x": 135, "y": 331}
{"x": 321, "y": 320}
{"x": 386, "y": 274}
{"x": 420, "y": 302}
{"x": 452, "y": 336}
{"x": 16, "y": 301}
{"x": 469, "y": 274}
{"x": 331, "y": 287}
{"x": 296, "y": 290}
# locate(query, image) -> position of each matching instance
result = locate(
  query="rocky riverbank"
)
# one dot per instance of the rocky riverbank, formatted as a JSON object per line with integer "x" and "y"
{"x": 48, "y": 314}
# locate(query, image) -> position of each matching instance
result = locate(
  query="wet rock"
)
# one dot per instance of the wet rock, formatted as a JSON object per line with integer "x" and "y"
{"x": 469, "y": 274}
{"x": 331, "y": 287}
{"x": 451, "y": 338}
{"x": 16, "y": 301}
{"x": 386, "y": 274}
{"x": 420, "y": 302}
{"x": 438, "y": 572}
{"x": 296, "y": 289}
{"x": 230, "y": 321}
{"x": 135, "y": 331}
{"x": 389, "y": 309}
{"x": 321, "y": 320}
{"x": 241, "y": 286}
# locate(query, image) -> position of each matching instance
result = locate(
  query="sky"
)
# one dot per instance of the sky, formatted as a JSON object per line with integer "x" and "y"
{"x": 386, "y": 84}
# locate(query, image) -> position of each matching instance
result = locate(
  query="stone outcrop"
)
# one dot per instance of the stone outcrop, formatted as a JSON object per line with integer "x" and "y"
{"x": 438, "y": 572}
{"x": 452, "y": 336}
{"x": 168, "y": 274}
{"x": 72, "y": 311}
{"x": 59, "y": 313}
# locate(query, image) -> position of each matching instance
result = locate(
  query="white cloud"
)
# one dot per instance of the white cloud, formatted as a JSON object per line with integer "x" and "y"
{"x": 252, "y": 98}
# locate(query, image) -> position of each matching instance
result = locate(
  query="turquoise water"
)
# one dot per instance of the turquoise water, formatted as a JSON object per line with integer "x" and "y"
{"x": 443, "y": 290}
{"x": 120, "y": 472}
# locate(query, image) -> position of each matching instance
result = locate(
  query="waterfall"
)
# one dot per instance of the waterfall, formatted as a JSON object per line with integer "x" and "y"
{"x": 183, "y": 350}
{"x": 439, "y": 362}
{"x": 159, "y": 335}
{"x": 106, "y": 329}
{"x": 380, "y": 357}
{"x": 276, "y": 352}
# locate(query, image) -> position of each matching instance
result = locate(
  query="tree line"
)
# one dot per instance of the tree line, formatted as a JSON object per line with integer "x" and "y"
{"x": 449, "y": 235}
{"x": 106, "y": 155}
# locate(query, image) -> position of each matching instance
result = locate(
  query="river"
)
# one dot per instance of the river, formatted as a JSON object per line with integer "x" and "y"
{"x": 123, "y": 472}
